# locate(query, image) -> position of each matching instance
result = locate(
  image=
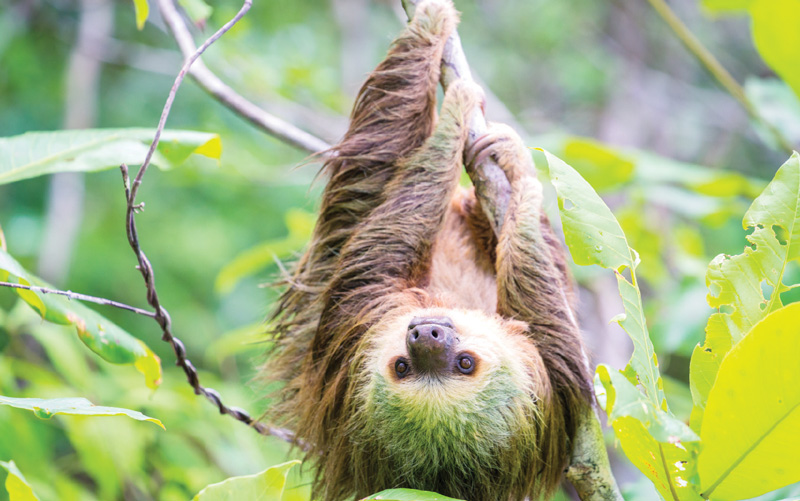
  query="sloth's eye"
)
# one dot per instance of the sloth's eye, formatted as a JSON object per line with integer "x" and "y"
{"x": 401, "y": 367}
{"x": 466, "y": 364}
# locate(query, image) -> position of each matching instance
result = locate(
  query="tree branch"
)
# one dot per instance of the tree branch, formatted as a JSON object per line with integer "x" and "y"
{"x": 206, "y": 79}
{"x": 80, "y": 297}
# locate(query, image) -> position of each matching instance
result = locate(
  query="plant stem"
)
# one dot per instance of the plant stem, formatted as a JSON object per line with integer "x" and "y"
{"x": 714, "y": 67}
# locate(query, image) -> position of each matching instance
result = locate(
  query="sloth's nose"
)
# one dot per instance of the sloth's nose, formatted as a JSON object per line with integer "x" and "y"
{"x": 429, "y": 343}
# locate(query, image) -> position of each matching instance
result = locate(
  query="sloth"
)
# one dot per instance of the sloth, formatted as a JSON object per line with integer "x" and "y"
{"x": 414, "y": 347}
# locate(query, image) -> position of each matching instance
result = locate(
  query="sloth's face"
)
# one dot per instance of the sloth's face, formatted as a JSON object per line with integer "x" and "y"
{"x": 456, "y": 384}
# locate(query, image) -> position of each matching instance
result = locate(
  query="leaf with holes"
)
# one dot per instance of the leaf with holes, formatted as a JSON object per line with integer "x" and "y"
{"x": 751, "y": 443}
{"x": 46, "y": 408}
{"x": 269, "y": 485}
{"x": 747, "y": 287}
{"x": 99, "y": 334}
{"x": 17, "y": 487}
{"x": 38, "y": 153}
{"x": 594, "y": 236}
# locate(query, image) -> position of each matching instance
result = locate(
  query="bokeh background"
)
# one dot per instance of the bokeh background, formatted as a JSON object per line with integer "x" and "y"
{"x": 604, "y": 84}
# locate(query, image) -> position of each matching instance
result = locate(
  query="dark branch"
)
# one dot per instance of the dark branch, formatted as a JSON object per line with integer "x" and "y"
{"x": 161, "y": 315}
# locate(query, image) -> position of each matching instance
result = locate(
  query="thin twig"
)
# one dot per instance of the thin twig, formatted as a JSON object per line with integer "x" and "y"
{"x": 212, "y": 84}
{"x": 171, "y": 97}
{"x": 161, "y": 315}
{"x": 714, "y": 67}
{"x": 80, "y": 297}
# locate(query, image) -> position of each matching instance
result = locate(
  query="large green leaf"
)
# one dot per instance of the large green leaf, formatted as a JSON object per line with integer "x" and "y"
{"x": 408, "y": 495}
{"x": 751, "y": 443}
{"x": 775, "y": 32}
{"x": 661, "y": 446}
{"x": 101, "y": 335}
{"x": 46, "y": 408}
{"x": 300, "y": 225}
{"x": 747, "y": 287}
{"x": 38, "y": 153}
{"x": 265, "y": 486}
{"x": 16, "y": 485}
{"x": 594, "y": 236}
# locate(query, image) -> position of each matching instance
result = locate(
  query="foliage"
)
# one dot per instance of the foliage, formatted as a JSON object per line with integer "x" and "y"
{"x": 47, "y": 408}
{"x": 214, "y": 228}
{"x": 268, "y": 485}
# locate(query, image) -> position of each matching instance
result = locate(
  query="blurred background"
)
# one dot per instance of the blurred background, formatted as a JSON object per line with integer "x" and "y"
{"x": 605, "y": 85}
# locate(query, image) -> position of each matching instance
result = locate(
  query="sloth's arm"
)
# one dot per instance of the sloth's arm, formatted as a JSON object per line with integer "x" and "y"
{"x": 389, "y": 251}
{"x": 393, "y": 114}
{"x": 532, "y": 277}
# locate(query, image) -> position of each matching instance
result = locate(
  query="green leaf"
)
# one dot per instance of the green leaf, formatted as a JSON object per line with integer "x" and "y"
{"x": 265, "y": 486}
{"x": 46, "y": 408}
{"x": 300, "y": 225}
{"x": 408, "y": 495}
{"x": 99, "y": 334}
{"x": 750, "y": 430}
{"x": 197, "y": 10}
{"x": 747, "y": 287}
{"x": 38, "y": 153}
{"x": 777, "y": 37}
{"x": 16, "y": 485}
{"x": 594, "y": 236}
{"x": 142, "y": 11}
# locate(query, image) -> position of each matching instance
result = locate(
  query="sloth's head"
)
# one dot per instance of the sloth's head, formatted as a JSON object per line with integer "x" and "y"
{"x": 451, "y": 398}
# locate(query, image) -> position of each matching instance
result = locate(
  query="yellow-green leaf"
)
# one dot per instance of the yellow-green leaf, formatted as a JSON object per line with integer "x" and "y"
{"x": 751, "y": 442}
{"x": 16, "y": 485}
{"x": 594, "y": 236}
{"x": 265, "y": 486}
{"x": 99, "y": 334}
{"x": 747, "y": 287}
{"x": 46, "y": 408}
{"x": 300, "y": 225}
{"x": 39, "y": 153}
{"x": 142, "y": 10}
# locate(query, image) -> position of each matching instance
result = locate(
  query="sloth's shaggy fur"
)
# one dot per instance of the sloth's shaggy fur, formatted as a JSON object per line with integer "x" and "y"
{"x": 396, "y": 238}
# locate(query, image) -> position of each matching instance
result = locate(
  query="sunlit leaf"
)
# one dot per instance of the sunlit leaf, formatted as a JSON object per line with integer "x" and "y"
{"x": 594, "y": 236}
{"x": 38, "y": 153}
{"x": 265, "y": 486}
{"x": 408, "y": 495}
{"x": 747, "y": 287}
{"x": 16, "y": 485}
{"x": 46, "y": 408}
{"x": 300, "y": 225}
{"x": 142, "y": 11}
{"x": 101, "y": 335}
{"x": 751, "y": 443}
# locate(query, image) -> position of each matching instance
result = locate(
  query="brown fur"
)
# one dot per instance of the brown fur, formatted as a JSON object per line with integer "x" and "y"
{"x": 396, "y": 236}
